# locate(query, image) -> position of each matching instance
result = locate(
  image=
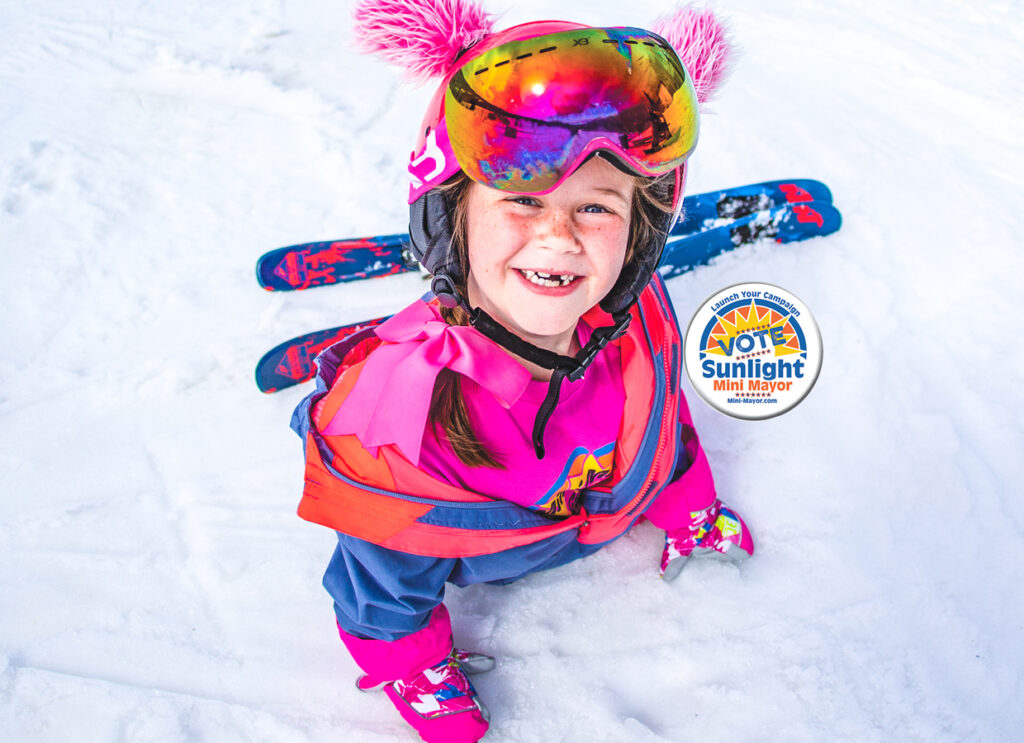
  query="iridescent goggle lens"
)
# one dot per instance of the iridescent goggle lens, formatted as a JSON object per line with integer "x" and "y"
{"x": 522, "y": 115}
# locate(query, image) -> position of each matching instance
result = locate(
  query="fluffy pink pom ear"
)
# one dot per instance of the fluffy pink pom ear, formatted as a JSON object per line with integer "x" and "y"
{"x": 703, "y": 44}
{"x": 423, "y": 37}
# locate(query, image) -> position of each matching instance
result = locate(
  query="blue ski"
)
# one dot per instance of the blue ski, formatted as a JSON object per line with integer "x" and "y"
{"x": 323, "y": 263}
{"x": 787, "y": 223}
{"x": 292, "y": 362}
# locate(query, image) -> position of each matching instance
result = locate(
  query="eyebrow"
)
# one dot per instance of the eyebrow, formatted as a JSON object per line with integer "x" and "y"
{"x": 612, "y": 192}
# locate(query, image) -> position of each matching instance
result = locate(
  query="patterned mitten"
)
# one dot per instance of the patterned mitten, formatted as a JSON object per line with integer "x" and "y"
{"x": 716, "y": 532}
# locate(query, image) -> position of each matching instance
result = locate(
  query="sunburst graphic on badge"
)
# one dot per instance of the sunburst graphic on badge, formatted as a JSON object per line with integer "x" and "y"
{"x": 754, "y": 320}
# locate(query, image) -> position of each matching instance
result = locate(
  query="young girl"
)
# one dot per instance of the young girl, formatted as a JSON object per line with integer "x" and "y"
{"x": 527, "y": 412}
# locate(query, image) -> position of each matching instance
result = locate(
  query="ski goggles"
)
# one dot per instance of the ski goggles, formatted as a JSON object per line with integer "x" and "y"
{"x": 522, "y": 116}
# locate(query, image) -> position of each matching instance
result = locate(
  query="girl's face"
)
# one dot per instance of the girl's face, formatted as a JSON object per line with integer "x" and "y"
{"x": 537, "y": 263}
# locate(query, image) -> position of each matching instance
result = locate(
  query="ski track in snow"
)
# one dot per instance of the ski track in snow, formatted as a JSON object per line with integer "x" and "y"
{"x": 155, "y": 584}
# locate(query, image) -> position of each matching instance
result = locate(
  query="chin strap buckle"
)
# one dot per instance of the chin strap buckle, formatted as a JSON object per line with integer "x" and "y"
{"x": 600, "y": 338}
{"x": 444, "y": 289}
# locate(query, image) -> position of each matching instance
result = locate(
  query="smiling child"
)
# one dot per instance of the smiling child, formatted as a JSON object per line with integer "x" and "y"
{"x": 528, "y": 411}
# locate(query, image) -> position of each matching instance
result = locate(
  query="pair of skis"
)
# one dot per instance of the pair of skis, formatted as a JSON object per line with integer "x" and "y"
{"x": 713, "y": 223}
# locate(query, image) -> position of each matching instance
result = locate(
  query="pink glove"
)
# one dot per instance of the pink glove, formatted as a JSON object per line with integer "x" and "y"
{"x": 716, "y": 531}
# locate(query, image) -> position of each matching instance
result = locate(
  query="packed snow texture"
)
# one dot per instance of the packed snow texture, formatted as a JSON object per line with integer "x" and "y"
{"x": 155, "y": 582}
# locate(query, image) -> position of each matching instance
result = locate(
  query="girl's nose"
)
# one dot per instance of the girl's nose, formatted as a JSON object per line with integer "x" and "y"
{"x": 557, "y": 231}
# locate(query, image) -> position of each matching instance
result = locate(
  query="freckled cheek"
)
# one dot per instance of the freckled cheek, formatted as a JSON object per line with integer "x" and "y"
{"x": 512, "y": 232}
{"x": 488, "y": 271}
{"x": 502, "y": 242}
{"x": 488, "y": 274}
{"x": 610, "y": 245}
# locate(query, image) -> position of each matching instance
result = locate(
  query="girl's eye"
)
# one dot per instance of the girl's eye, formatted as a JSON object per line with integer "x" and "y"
{"x": 596, "y": 209}
{"x": 524, "y": 200}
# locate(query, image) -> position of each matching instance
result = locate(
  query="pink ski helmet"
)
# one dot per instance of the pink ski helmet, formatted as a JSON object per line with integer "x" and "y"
{"x": 524, "y": 108}
{"x": 520, "y": 110}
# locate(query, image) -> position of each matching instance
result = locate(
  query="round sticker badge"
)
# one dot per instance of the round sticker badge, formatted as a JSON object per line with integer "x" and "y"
{"x": 753, "y": 351}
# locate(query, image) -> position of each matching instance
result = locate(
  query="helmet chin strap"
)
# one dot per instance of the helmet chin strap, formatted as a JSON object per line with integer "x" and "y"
{"x": 571, "y": 367}
{"x": 431, "y": 238}
{"x": 561, "y": 366}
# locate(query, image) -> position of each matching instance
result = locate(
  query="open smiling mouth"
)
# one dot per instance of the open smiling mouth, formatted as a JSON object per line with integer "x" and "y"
{"x": 548, "y": 279}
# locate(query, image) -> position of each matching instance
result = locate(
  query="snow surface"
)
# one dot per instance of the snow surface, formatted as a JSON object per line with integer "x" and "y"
{"x": 155, "y": 583}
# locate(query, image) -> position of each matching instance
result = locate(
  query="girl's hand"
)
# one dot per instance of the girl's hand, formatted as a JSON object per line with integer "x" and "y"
{"x": 715, "y": 532}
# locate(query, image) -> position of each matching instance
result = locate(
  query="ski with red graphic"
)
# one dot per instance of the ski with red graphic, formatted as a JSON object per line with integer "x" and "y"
{"x": 292, "y": 362}
{"x": 707, "y": 210}
{"x": 308, "y": 265}
{"x": 781, "y": 224}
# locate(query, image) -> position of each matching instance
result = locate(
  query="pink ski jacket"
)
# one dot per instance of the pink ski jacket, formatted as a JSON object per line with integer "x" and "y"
{"x": 376, "y": 494}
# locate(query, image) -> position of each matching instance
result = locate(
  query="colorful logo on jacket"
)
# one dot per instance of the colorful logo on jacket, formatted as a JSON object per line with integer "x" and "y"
{"x": 753, "y": 351}
{"x": 584, "y": 468}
